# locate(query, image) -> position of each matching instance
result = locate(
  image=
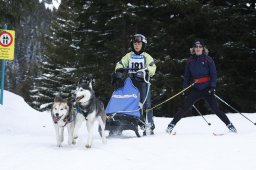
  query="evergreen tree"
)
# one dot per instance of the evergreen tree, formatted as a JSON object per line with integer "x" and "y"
{"x": 56, "y": 80}
{"x": 60, "y": 58}
{"x": 233, "y": 40}
{"x": 28, "y": 19}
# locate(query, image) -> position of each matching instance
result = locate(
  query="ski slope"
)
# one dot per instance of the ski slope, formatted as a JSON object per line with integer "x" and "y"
{"x": 27, "y": 142}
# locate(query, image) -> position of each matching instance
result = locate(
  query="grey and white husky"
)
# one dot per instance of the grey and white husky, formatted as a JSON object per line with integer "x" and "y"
{"x": 89, "y": 108}
{"x": 62, "y": 117}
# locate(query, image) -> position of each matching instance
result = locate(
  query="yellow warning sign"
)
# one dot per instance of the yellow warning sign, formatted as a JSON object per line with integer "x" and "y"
{"x": 7, "y": 38}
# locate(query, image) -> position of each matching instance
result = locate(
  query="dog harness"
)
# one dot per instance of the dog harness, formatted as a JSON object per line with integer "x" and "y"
{"x": 85, "y": 110}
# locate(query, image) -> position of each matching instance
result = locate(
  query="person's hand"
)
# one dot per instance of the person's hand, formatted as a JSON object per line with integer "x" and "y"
{"x": 211, "y": 91}
{"x": 121, "y": 70}
{"x": 140, "y": 74}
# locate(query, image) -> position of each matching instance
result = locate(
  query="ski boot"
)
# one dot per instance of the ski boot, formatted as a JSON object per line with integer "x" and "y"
{"x": 232, "y": 128}
{"x": 149, "y": 130}
{"x": 169, "y": 128}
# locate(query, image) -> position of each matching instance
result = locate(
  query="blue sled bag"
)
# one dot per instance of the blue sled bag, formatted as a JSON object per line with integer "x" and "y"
{"x": 125, "y": 100}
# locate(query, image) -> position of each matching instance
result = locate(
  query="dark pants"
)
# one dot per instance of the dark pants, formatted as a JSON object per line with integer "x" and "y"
{"x": 143, "y": 87}
{"x": 193, "y": 97}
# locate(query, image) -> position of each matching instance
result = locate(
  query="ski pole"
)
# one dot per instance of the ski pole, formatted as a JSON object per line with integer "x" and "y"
{"x": 201, "y": 115}
{"x": 233, "y": 108}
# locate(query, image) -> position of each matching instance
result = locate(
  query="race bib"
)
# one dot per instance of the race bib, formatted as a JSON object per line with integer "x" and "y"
{"x": 136, "y": 62}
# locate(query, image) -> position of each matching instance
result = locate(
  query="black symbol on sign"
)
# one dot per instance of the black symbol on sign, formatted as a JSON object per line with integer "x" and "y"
{"x": 6, "y": 39}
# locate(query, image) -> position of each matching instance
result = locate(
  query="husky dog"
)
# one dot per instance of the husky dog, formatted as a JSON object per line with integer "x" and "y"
{"x": 89, "y": 108}
{"x": 62, "y": 116}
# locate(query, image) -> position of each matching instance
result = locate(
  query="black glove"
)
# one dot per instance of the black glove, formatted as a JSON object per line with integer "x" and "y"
{"x": 118, "y": 79}
{"x": 211, "y": 91}
{"x": 140, "y": 74}
{"x": 121, "y": 70}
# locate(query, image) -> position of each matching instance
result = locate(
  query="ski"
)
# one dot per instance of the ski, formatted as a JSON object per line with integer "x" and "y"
{"x": 214, "y": 134}
{"x": 222, "y": 134}
{"x": 218, "y": 134}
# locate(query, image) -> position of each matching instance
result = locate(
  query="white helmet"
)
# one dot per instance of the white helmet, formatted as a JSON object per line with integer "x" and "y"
{"x": 139, "y": 38}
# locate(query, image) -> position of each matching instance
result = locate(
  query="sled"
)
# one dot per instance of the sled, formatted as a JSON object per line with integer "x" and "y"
{"x": 124, "y": 110}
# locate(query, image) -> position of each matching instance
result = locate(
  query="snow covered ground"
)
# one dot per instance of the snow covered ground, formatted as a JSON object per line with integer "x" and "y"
{"x": 27, "y": 142}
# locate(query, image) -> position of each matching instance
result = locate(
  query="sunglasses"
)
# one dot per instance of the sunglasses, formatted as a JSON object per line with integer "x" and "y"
{"x": 198, "y": 46}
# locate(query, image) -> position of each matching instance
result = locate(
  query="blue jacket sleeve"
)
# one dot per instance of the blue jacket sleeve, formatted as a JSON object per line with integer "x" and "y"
{"x": 187, "y": 76}
{"x": 213, "y": 73}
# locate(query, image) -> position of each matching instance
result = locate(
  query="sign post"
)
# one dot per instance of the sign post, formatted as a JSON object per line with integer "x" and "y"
{"x": 6, "y": 53}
